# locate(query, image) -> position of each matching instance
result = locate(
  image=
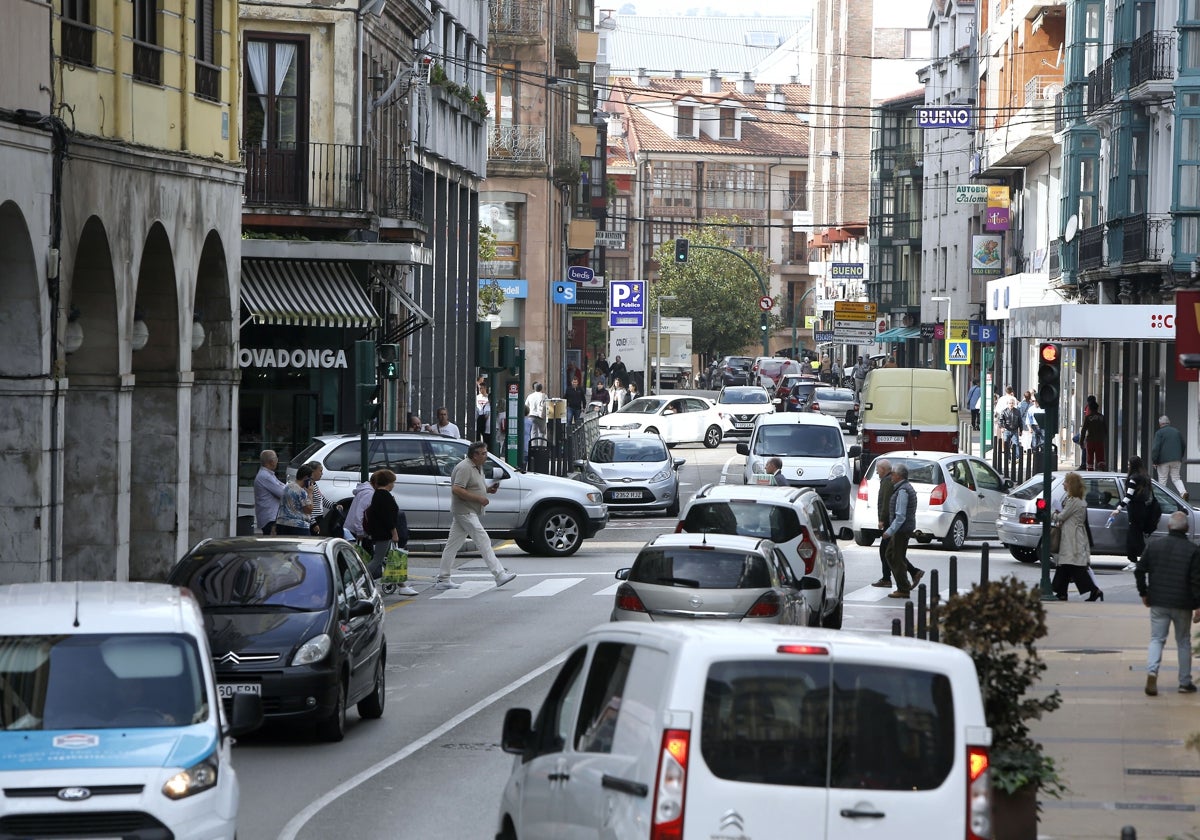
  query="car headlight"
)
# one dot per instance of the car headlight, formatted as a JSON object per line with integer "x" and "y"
{"x": 662, "y": 475}
{"x": 313, "y": 651}
{"x": 837, "y": 471}
{"x": 195, "y": 779}
{"x": 757, "y": 466}
{"x": 594, "y": 477}
{"x": 595, "y": 498}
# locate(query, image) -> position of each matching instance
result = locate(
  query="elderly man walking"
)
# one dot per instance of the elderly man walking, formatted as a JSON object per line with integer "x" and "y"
{"x": 903, "y": 516}
{"x": 1172, "y": 564}
{"x": 1166, "y": 453}
{"x": 468, "y": 497}
{"x": 883, "y": 509}
{"x": 268, "y": 491}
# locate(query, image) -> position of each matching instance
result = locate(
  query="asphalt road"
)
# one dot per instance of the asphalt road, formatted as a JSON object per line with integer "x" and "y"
{"x": 432, "y": 766}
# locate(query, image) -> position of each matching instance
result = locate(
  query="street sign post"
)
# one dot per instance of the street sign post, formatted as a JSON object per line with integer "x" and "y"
{"x": 958, "y": 352}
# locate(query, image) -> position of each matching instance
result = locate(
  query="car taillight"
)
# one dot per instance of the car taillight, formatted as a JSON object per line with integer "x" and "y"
{"x": 815, "y": 406}
{"x": 670, "y": 786}
{"x": 627, "y": 599}
{"x": 862, "y": 491}
{"x": 768, "y": 605}
{"x": 1028, "y": 519}
{"x": 807, "y": 550}
{"x": 938, "y": 496}
{"x": 979, "y": 794}
{"x": 679, "y": 527}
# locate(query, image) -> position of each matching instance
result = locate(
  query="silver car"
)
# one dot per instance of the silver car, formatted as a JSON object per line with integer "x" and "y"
{"x": 634, "y": 471}
{"x": 683, "y": 577}
{"x": 839, "y": 403}
{"x": 1020, "y": 528}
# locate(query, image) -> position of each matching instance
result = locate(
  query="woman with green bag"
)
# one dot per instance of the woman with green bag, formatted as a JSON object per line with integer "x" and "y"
{"x": 387, "y": 526}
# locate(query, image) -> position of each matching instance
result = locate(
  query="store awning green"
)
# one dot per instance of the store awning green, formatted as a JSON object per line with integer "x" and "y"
{"x": 305, "y": 293}
{"x": 898, "y": 334}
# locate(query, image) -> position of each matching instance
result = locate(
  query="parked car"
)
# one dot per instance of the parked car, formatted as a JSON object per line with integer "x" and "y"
{"x": 839, "y": 403}
{"x": 795, "y": 520}
{"x": 685, "y": 577}
{"x": 675, "y": 419}
{"x": 813, "y": 453}
{"x": 728, "y": 370}
{"x": 958, "y": 498}
{"x": 1020, "y": 529}
{"x": 698, "y": 730}
{"x": 543, "y": 514}
{"x": 795, "y": 391}
{"x": 768, "y": 370}
{"x": 634, "y": 471}
{"x": 295, "y": 620}
{"x": 742, "y": 405}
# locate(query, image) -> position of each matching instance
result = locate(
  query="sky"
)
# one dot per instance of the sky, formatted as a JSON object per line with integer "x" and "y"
{"x": 768, "y": 8}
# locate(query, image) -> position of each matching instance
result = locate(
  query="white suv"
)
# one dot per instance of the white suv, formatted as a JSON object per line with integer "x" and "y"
{"x": 715, "y": 729}
{"x": 543, "y": 514}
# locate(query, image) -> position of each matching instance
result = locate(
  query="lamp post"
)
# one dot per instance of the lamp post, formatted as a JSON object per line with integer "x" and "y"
{"x": 949, "y": 324}
{"x": 658, "y": 341}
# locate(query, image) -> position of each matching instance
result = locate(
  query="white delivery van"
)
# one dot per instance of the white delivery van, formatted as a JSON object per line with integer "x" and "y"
{"x": 110, "y": 724}
{"x": 708, "y": 730}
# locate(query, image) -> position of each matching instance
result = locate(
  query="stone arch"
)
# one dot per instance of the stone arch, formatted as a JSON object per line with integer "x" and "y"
{"x": 214, "y": 397}
{"x": 24, "y": 328}
{"x": 159, "y": 445}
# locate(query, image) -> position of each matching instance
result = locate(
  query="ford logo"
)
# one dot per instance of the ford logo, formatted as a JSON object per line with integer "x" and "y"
{"x": 74, "y": 794}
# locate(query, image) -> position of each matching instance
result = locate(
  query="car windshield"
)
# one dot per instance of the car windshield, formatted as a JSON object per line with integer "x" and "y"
{"x": 745, "y": 518}
{"x": 642, "y": 405}
{"x": 744, "y": 396}
{"x": 700, "y": 568}
{"x": 797, "y": 441}
{"x": 628, "y": 450}
{"x": 100, "y": 681}
{"x": 257, "y": 579}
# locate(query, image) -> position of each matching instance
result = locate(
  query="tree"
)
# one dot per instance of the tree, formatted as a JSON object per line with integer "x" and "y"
{"x": 715, "y": 289}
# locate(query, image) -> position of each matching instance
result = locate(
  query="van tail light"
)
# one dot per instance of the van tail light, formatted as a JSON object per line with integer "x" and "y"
{"x": 628, "y": 600}
{"x": 769, "y": 605}
{"x": 807, "y": 549}
{"x": 670, "y": 785}
{"x": 979, "y": 794}
{"x": 938, "y": 496}
{"x": 862, "y": 491}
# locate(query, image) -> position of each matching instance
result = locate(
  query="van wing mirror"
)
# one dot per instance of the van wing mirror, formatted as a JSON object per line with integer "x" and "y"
{"x": 854, "y": 451}
{"x": 245, "y": 713}
{"x": 743, "y": 449}
{"x": 518, "y": 731}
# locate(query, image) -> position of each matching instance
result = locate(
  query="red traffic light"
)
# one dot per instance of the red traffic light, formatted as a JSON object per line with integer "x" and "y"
{"x": 1049, "y": 353}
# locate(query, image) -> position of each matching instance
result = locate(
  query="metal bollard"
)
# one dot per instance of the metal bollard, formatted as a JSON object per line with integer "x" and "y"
{"x": 908, "y": 619}
{"x": 934, "y": 635}
{"x": 895, "y": 627}
{"x": 953, "y": 575}
{"x": 1128, "y": 833}
{"x": 921, "y": 611}
{"x": 935, "y": 591}
{"x": 983, "y": 564}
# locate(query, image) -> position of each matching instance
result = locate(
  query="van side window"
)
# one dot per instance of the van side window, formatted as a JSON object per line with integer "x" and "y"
{"x": 554, "y": 720}
{"x": 601, "y": 704}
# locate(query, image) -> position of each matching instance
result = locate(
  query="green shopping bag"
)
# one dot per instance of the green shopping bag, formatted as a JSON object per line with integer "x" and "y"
{"x": 395, "y": 566}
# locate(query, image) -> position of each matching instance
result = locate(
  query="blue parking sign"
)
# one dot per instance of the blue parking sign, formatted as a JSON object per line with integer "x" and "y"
{"x": 626, "y": 303}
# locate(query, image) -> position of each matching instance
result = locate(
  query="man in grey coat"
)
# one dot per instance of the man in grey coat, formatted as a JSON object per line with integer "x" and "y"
{"x": 1172, "y": 564}
{"x": 1166, "y": 453}
{"x": 903, "y": 516}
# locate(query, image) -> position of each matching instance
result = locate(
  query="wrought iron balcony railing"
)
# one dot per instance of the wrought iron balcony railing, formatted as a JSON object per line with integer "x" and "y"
{"x": 1143, "y": 238}
{"x": 515, "y": 17}
{"x": 1152, "y": 58}
{"x": 1091, "y": 247}
{"x": 518, "y": 142}
{"x": 1099, "y": 86}
{"x": 317, "y": 176}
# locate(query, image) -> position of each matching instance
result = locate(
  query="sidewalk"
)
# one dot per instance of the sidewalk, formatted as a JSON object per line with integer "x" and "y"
{"x": 1120, "y": 752}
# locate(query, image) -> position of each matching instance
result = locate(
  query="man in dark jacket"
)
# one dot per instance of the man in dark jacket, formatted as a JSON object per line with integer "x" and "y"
{"x": 883, "y": 507}
{"x": 903, "y": 517}
{"x": 1173, "y": 596}
{"x": 1166, "y": 453}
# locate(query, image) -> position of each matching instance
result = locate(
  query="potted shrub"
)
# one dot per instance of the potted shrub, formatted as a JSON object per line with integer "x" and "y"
{"x": 997, "y": 625}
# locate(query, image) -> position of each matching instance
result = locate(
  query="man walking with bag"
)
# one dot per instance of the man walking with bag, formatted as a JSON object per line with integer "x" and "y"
{"x": 1172, "y": 564}
{"x": 469, "y": 496}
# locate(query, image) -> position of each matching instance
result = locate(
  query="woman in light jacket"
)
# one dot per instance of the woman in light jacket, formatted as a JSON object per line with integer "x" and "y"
{"x": 1074, "y": 551}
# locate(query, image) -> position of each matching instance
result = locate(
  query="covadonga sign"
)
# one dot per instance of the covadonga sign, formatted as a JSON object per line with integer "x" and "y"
{"x": 280, "y": 358}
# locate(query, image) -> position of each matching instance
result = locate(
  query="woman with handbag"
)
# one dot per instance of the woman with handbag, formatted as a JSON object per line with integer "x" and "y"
{"x": 385, "y": 524}
{"x": 1137, "y": 495}
{"x": 1074, "y": 549}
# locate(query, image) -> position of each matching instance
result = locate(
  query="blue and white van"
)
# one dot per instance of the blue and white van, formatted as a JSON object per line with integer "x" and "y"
{"x": 110, "y": 724}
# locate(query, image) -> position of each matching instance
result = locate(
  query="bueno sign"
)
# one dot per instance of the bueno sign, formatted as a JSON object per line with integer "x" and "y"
{"x": 943, "y": 118}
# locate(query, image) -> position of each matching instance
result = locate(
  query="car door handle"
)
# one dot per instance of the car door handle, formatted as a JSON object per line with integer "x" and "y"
{"x": 624, "y": 785}
{"x": 854, "y": 814}
{"x": 558, "y": 777}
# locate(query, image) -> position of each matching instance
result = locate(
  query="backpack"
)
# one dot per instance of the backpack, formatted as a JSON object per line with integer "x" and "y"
{"x": 1010, "y": 419}
{"x": 1153, "y": 513}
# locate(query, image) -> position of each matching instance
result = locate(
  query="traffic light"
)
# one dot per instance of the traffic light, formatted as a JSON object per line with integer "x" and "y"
{"x": 366, "y": 390}
{"x": 1049, "y": 379}
{"x": 483, "y": 344}
{"x": 1042, "y": 508}
{"x": 681, "y": 251}
{"x": 389, "y": 361}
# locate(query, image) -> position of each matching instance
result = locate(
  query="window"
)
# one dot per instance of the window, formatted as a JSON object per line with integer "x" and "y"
{"x": 673, "y": 184}
{"x": 987, "y": 478}
{"x": 585, "y": 15}
{"x": 584, "y": 105}
{"x": 736, "y": 186}
{"x": 618, "y": 214}
{"x": 1189, "y": 34}
{"x": 503, "y": 218}
{"x": 917, "y": 43}
{"x": 147, "y": 51}
{"x": 706, "y": 568}
{"x": 78, "y": 34}
{"x": 555, "y": 718}
{"x": 1187, "y": 172}
{"x": 797, "y": 197}
{"x": 1139, "y": 165}
{"x": 728, "y": 123}
{"x": 208, "y": 73}
{"x": 501, "y": 85}
{"x": 601, "y": 703}
{"x": 685, "y": 122}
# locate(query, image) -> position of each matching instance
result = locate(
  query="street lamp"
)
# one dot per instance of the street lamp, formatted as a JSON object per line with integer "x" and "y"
{"x": 658, "y": 341}
{"x": 949, "y": 322}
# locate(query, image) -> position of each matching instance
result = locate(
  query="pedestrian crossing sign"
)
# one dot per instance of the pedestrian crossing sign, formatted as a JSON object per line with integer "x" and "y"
{"x": 958, "y": 352}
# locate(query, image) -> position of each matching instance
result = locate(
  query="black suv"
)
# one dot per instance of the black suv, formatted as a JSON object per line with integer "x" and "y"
{"x": 730, "y": 370}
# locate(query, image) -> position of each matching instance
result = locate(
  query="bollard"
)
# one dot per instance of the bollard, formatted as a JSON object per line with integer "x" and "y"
{"x": 934, "y": 635}
{"x": 983, "y": 564}
{"x": 908, "y": 619}
{"x": 935, "y": 591}
{"x": 1128, "y": 833}
{"x": 895, "y": 627}
{"x": 953, "y": 575}
{"x": 921, "y": 611}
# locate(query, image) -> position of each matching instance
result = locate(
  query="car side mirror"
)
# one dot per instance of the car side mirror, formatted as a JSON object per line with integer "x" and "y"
{"x": 517, "y": 734}
{"x": 679, "y": 462}
{"x": 361, "y": 608}
{"x": 854, "y": 451}
{"x": 743, "y": 449}
{"x": 1009, "y": 484}
{"x": 845, "y": 534}
{"x": 245, "y": 713}
{"x": 494, "y": 472}
{"x": 579, "y": 465}
{"x": 622, "y": 574}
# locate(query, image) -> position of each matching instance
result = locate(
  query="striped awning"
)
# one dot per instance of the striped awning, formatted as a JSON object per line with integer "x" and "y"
{"x": 306, "y": 294}
{"x": 898, "y": 334}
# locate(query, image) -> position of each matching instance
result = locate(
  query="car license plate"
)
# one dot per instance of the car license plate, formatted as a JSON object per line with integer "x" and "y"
{"x": 225, "y": 690}
{"x": 890, "y": 438}
{"x": 1008, "y": 510}
{"x": 627, "y": 494}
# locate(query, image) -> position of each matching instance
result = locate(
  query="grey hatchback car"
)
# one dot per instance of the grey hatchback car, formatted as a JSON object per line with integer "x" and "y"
{"x": 839, "y": 403}
{"x": 1021, "y": 531}
{"x": 634, "y": 471}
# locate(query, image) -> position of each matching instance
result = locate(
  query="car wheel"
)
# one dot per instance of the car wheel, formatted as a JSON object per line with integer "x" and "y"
{"x": 371, "y": 706}
{"x": 863, "y": 538}
{"x": 333, "y": 728}
{"x": 673, "y": 508}
{"x": 1023, "y": 554}
{"x": 833, "y": 621}
{"x": 525, "y": 545}
{"x": 557, "y": 533}
{"x": 712, "y": 437}
{"x": 956, "y": 537}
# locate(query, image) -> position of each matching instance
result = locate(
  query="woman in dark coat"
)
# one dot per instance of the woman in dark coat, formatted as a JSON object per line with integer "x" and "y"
{"x": 383, "y": 521}
{"x": 1137, "y": 494}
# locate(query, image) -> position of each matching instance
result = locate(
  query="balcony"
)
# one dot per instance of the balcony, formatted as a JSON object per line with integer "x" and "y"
{"x": 909, "y": 158}
{"x": 1055, "y": 258}
{"x": 312, "y": 176}
{"x": 1144, "y": 238}
{"x": 568, "y": 162}
{"x": 906, "y": 229}
{"x": 1152, "y": 61}
{"x": 525, "y": 143}
{"x": 1100, "y": 87}
{"x": 400, "y": 190}
{"x": 1091, "y": 248}
{"x": 566, "y": 37}
{"x": 516, "y": 19}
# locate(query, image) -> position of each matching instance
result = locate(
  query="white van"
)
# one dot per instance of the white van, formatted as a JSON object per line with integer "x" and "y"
{"x": 812, "y": 451}
{"x": 698, "y": 731}
{"x": 109, "y": 720}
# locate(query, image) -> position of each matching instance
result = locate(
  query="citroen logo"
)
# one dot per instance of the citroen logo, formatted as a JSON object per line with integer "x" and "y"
{"x": 74, "y": 794}
{"x": 230, "y": 658}
{"x": 731, "y": 819}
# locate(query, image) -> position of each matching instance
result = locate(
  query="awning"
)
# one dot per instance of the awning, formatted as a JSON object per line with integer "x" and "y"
{"x": 305, "y": 293}
{"x": 898, "y": 334}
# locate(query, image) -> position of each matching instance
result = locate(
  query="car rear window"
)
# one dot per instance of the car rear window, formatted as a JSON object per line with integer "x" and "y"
{"x": 1031, "y": 489}
{"x": 700, "y": 568}
{"x": 920, "y": 470}
{"x": 768, "y": 722}
{"x": 835, "y": 395}
{"x": 305, "y": 456}
{"x": 287, "y": 580}
{"x": 745, "y": 518}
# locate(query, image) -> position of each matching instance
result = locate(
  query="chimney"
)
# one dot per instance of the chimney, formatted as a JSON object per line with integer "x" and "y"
{"x": 713, "y": 83}
{"x": 643, "y": 80}
{"x": 775, "y": 99}
{"x": 746, "y": 85}
{"x": 678, "y": 74}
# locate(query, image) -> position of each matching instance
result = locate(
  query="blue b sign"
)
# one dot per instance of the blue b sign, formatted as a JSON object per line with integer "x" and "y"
{"x": 564, "y": 292}
{"x": 626, "y": 303}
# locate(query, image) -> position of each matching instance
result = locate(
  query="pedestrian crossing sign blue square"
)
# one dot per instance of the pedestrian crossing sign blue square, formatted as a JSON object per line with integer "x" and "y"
{"x": 958, "y": 352}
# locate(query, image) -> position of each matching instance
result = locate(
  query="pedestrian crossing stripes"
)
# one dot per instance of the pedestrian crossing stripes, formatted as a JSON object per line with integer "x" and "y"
{"x": 547, "y": 588}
